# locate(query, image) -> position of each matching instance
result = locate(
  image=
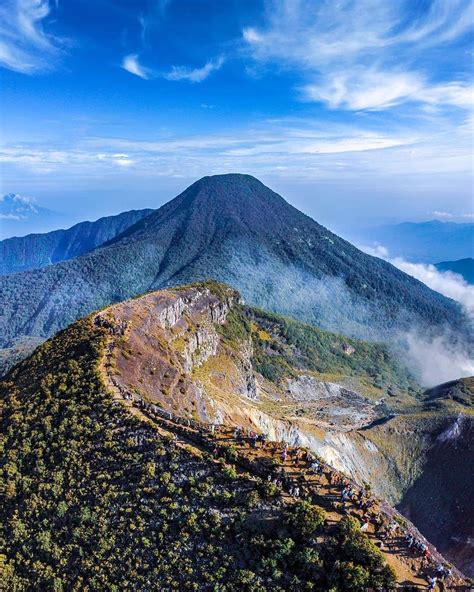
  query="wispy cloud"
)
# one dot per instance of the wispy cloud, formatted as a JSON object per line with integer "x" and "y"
{"x": 131, "y": 64}
{"x": 24, "y": 44}
{"x": 194, "y": 74}
{"x": 450, "y": 216}
{"x": 291, "y": 149}
{"x": 363, "y": 54}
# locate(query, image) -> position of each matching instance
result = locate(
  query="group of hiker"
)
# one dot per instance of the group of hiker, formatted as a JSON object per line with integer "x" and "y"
{"x": 348, "y": 494}
{"x": 387, "y": 530}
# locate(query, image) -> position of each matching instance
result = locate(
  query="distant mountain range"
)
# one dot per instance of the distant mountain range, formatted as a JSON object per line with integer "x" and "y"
{"x": 20, "y": 214}
{"x": 37, "y": 250}
{"x": 463, "y": 267}
{"x": 421, "y": 242}
{"x": 234, "y": 229}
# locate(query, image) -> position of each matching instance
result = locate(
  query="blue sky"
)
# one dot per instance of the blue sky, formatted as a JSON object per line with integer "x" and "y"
{"x": 356, "y": 111}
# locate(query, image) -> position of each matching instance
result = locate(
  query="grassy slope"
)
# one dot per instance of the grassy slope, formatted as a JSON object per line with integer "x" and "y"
{"x": 94, "y": 499}
{"x": 284, "y": 347}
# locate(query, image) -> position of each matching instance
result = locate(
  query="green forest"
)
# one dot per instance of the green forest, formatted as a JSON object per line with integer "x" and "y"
{"x": 94, "y": 498}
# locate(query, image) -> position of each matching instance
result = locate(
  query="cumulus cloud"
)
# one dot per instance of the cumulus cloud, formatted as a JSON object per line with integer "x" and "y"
{"x": 194, "y": 74}
{"x": 362, "y": 54}
{"x": 24, "y": 44}
{"x": 437, "y": 359}
{"x": 14, "y": 206}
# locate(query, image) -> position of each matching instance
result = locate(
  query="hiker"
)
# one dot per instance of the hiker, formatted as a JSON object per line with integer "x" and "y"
{"x": 443, "y": 572}
{"x": 284, "y": 455}
{"x": 432, "y": 582}
{"x": 365, "y": 524}
{"x": 426, "y": 555}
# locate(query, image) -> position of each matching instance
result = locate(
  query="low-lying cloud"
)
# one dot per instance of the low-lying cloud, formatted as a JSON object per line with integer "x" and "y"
{"x": 447, "y": 283}
{"x": 437, "y": 359}
{"x": 435, "y": 354}
{"x": 450, "y": 284}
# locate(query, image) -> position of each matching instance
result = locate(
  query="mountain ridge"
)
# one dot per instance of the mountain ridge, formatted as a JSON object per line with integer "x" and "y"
{"x": 36, "y": 250}
{"x": 421, "y": 242}
{"x": 463, "y": 267}
{"x": 236, "y": 230}
{"x": 196, "y": 353}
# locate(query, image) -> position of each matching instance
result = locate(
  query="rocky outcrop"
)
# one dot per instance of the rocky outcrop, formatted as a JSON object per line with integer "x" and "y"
{"x": 180, "y": 351}
{"x": 332, "y": 405}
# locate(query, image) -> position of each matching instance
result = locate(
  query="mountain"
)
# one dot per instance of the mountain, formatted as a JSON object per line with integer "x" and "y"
{"x": 463, "y": 267}
{"x": 19, "y": 213}
{"x": 109, "y": 448}
{"x": 234, "y": 229}
{"x": 38, "y": 250}
{"x": 421, "y": 242}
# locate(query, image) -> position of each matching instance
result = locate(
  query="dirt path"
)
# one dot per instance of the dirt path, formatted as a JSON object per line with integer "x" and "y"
{"x": 264, "y": 460}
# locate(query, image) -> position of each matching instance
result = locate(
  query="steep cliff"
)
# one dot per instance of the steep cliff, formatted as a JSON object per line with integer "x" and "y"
{"x": 199, "y": 353}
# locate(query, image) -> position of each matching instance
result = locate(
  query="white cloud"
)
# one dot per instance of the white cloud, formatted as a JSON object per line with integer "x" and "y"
{"x": 362, "y": 90}
{"x": 438, "y": 358}
{"x": 451, "y": 216}
{"x": 362, "y": 54}
{"x": 24, "y": 45}
{"x": 194, "y": 74}
{"x": 447, "y": 283}
{"x": 373, "y": 150}
{"x": 131, "y": 64}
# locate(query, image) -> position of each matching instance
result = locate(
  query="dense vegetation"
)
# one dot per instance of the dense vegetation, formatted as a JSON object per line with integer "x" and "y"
{"x": 456, "y": 391}
{"x": 37, "y": 250}
{"x": 236, "y": 230}
{"x": 282, "y": 347}
{"x": 93, "y": 498}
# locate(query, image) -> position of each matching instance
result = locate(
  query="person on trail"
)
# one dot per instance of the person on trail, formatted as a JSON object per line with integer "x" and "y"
{"x": 284, "y": 455}
{"x": 432, "y": 583}
{"x": 426, "y": 556}
{"x": 365, "y": 524}
{"x": 443, "y": 572}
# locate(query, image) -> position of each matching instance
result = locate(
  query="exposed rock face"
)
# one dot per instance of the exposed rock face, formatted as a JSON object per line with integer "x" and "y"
{"x": 168, "y": 335}
{"x": 332, "y": 404}
{"x": 433, "y": 500}
{"x": 172, "y": 348}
